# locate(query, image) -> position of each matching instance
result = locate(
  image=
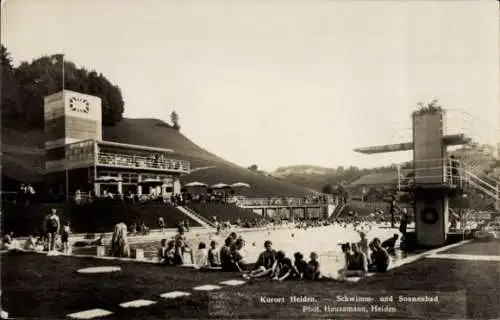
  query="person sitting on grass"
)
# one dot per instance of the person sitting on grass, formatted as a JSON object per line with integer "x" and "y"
{"x": 380, "y": 261}
{"x": 201, "y": 256}
{"x": 213, "y": 255}
{"x": 166, "y": 252}
{"x": 225, "y": 254}
{"x": 373, "y": 250}
{"x": 266, "y": 262}
{"x": 390, "y": 244}
{"x": 346, "y": 250}
{"x": 284, "y": 267}
{"x": 299, "y": 266}
{"x": 313, "y": 271}
{"x": 236, "y": 254}
{"x": 229, "y": 261}
{"x": 357, "y": 264}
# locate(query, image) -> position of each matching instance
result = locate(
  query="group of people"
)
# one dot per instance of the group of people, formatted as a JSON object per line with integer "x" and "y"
{"x": 53, "y": 236}
{"x": 25, "y": 194}
{"x": 270, "y": 263}
{"x": 139, "y": 228}
{"x": 363, "y": 257}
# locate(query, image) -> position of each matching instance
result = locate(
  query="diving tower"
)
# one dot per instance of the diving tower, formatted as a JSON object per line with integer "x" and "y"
{"x": 432, "y": 181}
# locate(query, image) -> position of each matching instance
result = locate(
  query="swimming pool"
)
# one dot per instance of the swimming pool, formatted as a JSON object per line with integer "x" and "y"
{"x": 323, "y": 240}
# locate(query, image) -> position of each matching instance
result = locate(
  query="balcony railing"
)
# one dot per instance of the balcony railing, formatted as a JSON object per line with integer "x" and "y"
{"x": 141, "y": 162}
{"x": 285, "y": 202}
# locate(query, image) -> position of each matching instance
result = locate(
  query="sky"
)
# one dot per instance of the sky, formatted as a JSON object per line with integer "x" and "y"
{"x": 279, "y": 82}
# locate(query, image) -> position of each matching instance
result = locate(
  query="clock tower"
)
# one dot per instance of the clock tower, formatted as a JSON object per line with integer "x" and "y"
{"x": 71, "y": 117}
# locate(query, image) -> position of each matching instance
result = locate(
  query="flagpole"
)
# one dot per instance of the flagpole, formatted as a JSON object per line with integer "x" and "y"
{"x": 65, "y": 155}
{"x": 62, "y": 75}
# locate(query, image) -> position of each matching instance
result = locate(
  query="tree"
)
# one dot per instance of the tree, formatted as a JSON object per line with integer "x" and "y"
{"x": 253, "y": 167}
{"x": 431, "y": 107}
{"x": 174, "y": 118}
{"x": 11, "y": 105}
{"x": 43, "y": 76}
{"x": 327, "y": 189}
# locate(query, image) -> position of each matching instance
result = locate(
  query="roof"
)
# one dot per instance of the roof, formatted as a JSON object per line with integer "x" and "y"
{"x": 134, "y": 146}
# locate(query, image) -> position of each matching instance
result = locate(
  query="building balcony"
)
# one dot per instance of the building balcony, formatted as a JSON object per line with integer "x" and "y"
{"x": 115, "y": 160}
{"x": 92, "y": 153}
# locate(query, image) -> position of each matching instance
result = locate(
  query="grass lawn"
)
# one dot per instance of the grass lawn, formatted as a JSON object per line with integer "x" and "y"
{"x": 34, "y": 285}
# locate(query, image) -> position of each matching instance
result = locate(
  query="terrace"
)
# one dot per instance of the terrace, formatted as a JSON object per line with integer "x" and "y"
{"x": 116, "y": 155}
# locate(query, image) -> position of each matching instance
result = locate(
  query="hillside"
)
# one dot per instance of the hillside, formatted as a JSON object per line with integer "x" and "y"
{"x": 302, "y": 169}
{"x": 314, "y": 177}
{"x": 22, "y": 156}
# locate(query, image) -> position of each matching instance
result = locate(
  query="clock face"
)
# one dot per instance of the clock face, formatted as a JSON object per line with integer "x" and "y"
{"x": 79, "y": 105}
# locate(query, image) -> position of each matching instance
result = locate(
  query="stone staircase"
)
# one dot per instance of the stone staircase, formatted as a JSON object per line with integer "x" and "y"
{"x": 195, "y": 216}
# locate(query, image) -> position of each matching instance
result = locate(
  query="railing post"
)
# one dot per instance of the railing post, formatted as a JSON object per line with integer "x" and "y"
{"x": 448, "y": 172}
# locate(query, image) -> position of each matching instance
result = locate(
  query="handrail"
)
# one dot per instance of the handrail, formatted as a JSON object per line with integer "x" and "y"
{"x": 199, "y": 216}
{"x": 124, "y": 160}
{"x": 484, "y": 176}
{"x": 485, "y": 190}
{"x": 280, "y": 202}
{"x": 470, "y": 174}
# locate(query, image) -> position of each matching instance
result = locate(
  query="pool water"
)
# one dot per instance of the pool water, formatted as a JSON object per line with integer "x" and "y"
{"x": 323, "y": 240}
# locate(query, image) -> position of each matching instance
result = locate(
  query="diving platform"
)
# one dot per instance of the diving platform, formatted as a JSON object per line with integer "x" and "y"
{"x": 449, "y": 140}
{"x": 434, "y": 176}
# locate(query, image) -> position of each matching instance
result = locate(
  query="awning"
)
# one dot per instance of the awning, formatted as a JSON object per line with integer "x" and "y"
{"x": 240, "y": 185}
{"x": 221, "y": 186}
{"x": 107, "y": 179}
{"x": 195, "y": 184}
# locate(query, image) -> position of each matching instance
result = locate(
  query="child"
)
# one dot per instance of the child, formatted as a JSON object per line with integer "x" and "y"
{"x": 65, "y": 236}
{"x": 213, "y": 255}
{"x": 236, "y": 251}
{"x": 284, "y": 267}
{"x": 169, "y": 254}
{"x": 356, "y": 263}
{"x": 201, "y": 256}
{"x": 162, "y": 251}
{"x": 40, "y": 244}
{"x": 182, "y": 248}
{"x": 226, "y": 255}
{"x": 299, "y": 266}
{"x": 313, "y": 272}
{"x": 30, "y": 244}
{"x": 266, "y": 263}
{"x": 363, "y": 245}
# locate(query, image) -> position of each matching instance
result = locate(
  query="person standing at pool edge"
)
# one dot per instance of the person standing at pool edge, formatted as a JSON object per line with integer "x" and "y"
{"x": 52, "y": 226}
{"x": 392, "y": 210}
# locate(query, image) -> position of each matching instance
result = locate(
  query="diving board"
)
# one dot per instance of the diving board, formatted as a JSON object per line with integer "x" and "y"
{"x": 449, "y": 140}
